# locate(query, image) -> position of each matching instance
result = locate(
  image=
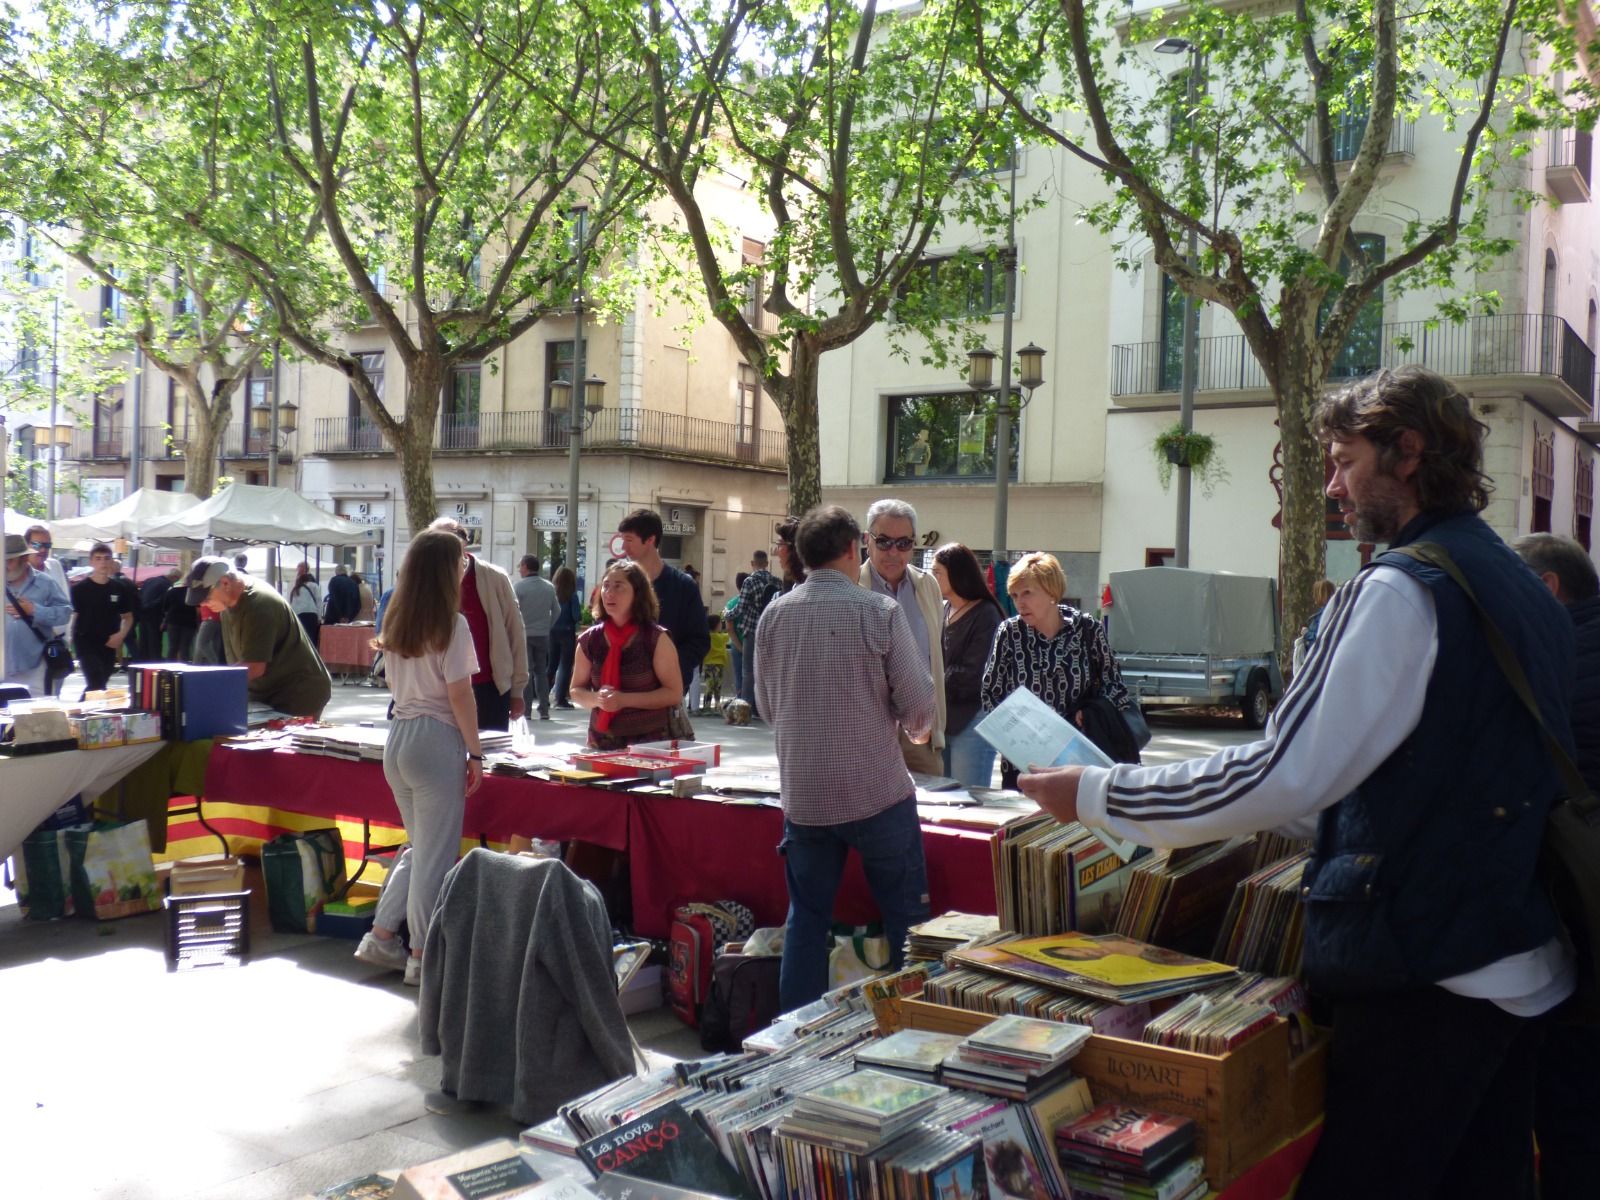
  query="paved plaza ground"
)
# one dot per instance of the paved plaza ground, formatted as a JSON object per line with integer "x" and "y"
{"x": 297, "y": 1070}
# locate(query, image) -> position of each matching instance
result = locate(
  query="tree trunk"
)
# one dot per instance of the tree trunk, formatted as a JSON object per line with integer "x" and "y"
{"x": 414, "y": 443}
{"x": 796, "y": 399}
{"x": 1303, "y": 546}
{"x": 205, "y": 436}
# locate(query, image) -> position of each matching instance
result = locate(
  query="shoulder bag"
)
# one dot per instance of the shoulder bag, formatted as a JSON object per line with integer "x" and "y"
{"x": 58, "y": 662}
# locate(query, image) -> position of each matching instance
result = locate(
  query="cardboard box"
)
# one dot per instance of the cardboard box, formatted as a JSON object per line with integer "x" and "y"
{"x": 99, "y": 731}
{"x": 1240, "y": 1102}
{"x": 141, "y": 727}
{"x": 206, "y": 876}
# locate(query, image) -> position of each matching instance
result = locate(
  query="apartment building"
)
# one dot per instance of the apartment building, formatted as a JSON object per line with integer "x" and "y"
{"x": 684, "y": 429}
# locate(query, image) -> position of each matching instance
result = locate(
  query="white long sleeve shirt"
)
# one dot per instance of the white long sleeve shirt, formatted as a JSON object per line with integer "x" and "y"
{"x": 1358, "y": 697}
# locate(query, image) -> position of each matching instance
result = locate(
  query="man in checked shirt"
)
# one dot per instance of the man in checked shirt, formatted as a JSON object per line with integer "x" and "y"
{"x": 841, "y": 675}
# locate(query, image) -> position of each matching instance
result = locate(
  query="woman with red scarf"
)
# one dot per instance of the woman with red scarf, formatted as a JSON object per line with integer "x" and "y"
{"x": 626, "y": 672}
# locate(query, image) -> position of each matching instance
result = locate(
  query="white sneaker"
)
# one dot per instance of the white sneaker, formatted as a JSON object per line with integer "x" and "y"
{"x": 382, "y": 952}
{"x": 413, "y": 971}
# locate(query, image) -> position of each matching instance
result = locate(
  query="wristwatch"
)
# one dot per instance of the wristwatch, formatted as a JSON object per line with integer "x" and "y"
{"x": 475, "y": 757}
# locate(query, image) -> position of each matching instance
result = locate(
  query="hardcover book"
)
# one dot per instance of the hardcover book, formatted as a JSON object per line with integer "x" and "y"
{"x": 665, "y": 1145}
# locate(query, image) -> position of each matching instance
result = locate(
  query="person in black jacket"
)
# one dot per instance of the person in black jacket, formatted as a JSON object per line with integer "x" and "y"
{"x": 683, "y": 612}
{"x": 1568, "y": 1080}
{"x": 971, "y": 616}
{"x": 344, "y": 597}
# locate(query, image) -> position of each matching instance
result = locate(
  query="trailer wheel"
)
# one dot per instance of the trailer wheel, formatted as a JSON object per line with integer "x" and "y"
{"x": 1257, "y": 702}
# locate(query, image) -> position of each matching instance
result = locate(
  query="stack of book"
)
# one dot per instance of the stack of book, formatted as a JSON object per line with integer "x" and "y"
{"x": 1122, "y": 1153}
{"x": 930, "y": 941}
{"x": 1217, "y": 1020}
{"x": 1049, "y": 876}
{"x": 1264, "y": 927}
{"x": 193, "y": 701}
{"x": 1177, "y": 898}
{"x": 1108, "y": 966}
{"x": 859, "y": 1112}
{"x": 1018, "y": 1058}
{"x": 914, "y": 1053}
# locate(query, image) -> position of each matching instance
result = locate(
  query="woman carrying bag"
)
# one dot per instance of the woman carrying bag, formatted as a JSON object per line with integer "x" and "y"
{"x": 305, "y": 601}
{"x": 433, "y": 760}
{"x": 1063, "y": 657}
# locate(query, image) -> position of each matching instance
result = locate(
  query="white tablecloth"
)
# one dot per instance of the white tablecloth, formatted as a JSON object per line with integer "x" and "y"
{"x": 34, "y": 786}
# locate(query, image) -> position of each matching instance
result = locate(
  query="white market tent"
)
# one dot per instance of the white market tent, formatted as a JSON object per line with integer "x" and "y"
{"x": 17, "y": 523}
{"x": 244, "y": 513}
{"x": 127, "y": 518}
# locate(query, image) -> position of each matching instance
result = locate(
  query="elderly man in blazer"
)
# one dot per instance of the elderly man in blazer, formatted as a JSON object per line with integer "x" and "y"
{"x": 891, "y": 541}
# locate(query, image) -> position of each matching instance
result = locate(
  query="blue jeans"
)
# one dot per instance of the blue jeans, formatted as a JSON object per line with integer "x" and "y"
{"x": 890, "y": 846}
{"x": 968, "y": 757}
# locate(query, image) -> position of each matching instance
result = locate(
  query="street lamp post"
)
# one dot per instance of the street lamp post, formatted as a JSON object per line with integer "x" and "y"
{"x": 277, "y": 420}
{"x": 575, "y": 422}
{"x": 981, "y": 379}
{"x": 1191, "y": 315}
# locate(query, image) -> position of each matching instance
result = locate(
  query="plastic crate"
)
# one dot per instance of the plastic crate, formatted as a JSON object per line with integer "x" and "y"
{"x": 208, "y": 931}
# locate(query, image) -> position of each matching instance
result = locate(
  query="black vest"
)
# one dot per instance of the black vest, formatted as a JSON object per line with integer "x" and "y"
{"x": 1427, "y": 869}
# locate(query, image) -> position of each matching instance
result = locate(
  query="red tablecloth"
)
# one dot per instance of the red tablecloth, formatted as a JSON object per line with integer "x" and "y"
{"x": 347, "y": 645}
{"x": 678, "y": 850}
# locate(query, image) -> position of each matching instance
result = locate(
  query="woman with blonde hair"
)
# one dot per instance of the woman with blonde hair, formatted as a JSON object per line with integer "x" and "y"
{"x": 1058, "y": 653}
{"x": 626, "y": 671}
{"x": 433, "y": 760}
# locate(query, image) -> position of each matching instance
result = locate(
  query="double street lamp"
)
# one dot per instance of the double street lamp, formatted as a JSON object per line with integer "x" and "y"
{"x": 981, "y": 379}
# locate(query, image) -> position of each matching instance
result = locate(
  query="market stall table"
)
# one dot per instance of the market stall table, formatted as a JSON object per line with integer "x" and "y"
{"x": 347, "y": 647}
{"x": 33, "y": 786}
{"x": 678, "y": 849}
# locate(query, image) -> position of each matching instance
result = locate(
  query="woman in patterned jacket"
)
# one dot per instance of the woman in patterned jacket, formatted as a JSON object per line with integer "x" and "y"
{"x": 1050, "y": 648}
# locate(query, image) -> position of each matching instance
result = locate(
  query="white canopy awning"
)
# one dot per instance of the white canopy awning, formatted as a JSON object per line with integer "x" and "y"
{"x": 128, "y": 518}
{"x": 243, "y": 513}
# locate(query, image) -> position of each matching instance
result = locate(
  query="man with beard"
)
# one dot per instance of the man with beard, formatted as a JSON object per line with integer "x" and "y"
{"x": 1402, "y": 749}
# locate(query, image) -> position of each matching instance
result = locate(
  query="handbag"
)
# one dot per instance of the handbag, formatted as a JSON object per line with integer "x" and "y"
{"x": 855, "y": 947}
{"x": 113, "y": 874}
{"x": 58, "y": 662}
{"x": 1569, "y": 860}
{"x": 302, "y": 872}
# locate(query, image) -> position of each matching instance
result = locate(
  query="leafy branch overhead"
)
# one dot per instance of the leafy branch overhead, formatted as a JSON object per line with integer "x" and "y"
{"x": 1269, "y": 138}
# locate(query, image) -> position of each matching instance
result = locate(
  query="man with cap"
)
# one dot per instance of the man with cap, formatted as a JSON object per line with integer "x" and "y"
{"x": 261, "y": 633}
{"x": 34, "y": 605}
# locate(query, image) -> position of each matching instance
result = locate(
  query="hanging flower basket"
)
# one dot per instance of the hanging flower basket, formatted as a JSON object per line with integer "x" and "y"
{"x": 1175, "y": 447}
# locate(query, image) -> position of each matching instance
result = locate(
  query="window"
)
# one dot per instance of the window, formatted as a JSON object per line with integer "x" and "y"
{"x": 1171, "y": 368}
{"x": 943, "y": 436}
{"x": 462, "y": 404}
{"x": 364, "y": 433}
{"x": 258, "y": 394}
{"x": 951, "y": 287}
{"x": 747, "y": 415}
{"x": 755, "y": 292}
{"x": 113, "y": 305}
{"x": 177, "y": 413}
{"x": 1582, "y": 495}
{"x": 29, "y": 359}
{"x": 1548, "y": 361}
{"x": 106, "y": 434}
{"x": 1363, "y": 345}
{"x": 1544, "y": 480}
{"x": 558, "y": 363}
{"x": 32, "y": 254}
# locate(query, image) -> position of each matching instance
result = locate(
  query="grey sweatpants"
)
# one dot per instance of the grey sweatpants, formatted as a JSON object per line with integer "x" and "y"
{"x": 425, "y": 762}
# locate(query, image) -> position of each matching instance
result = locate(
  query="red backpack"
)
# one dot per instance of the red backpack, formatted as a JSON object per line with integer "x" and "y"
{"x": 699, "y": 931}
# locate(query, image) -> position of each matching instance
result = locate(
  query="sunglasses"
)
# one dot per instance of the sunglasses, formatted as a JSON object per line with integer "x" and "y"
{"x": 889, "y": 543}
{"x": 41, "y": 545}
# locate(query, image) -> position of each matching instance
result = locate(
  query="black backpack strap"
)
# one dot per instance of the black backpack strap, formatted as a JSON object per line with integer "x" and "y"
{"x": 1578, "y": 791}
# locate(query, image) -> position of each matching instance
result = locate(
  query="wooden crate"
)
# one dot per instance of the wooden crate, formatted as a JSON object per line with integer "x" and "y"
{"x": 1240, "y": 1101}
{"x": 1308, "y": 1082}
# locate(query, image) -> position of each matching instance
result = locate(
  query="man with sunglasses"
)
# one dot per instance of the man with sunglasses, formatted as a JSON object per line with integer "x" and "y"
{"x": 40, "y": 543}
{"x": 891, "y": 541}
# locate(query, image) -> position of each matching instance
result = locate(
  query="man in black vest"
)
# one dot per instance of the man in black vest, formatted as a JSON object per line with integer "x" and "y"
{"x": 1403, "y": 751}
{"x": 1568, "y": 1094}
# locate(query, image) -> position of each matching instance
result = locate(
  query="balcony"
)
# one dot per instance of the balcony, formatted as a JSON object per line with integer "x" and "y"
{"x": 1569, "y": 171}
{"x": 647, "y": 431}
{"x": 1350, "y": 127}
{"x": 96, "y": 445}
{"x": 1539, "y": 356}
{"x": 163, "y": 443}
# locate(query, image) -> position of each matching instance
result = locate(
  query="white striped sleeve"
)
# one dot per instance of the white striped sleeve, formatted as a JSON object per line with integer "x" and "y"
{"x": 1356, "y": 699}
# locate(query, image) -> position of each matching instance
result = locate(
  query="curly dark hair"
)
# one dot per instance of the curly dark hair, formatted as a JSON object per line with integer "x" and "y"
{"x": 1382, "y": 407}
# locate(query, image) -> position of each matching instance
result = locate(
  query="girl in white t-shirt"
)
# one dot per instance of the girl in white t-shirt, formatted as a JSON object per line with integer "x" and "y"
{"x": 432, "y": 760}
